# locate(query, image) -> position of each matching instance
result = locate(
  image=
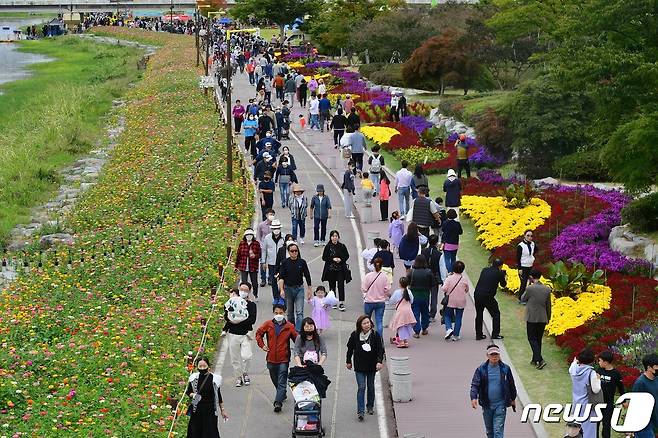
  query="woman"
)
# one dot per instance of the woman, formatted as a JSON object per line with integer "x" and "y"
{"x": 585, "y": 381}
{"x": 367, "y": 348}
{"x": 456, "y": 289}
{"x": 410, "y": 245}
{"x": 376, "y": 290}
{"x": 247, "y": 259}
{"x": 309, "y": 345}
{"x": 419, "y": 180}
{"x": 451, "y": 230}
{"x": 335, "y": 256}
{"x": 452, "y": 186}
{"x": 338, "y": 122}
{"x": 285, "y": 153}
{"x": 285, "y": 177}
{"x": 303, "y": 92}
{"x": 250, "y": 127}
{"x": 348, "y": 190}
{"x": 260, "y": 85}
{"x": 206, "y": 402}
{"x": 421, "y": 281}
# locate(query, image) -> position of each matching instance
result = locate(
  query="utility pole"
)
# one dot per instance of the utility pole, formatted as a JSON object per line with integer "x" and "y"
{"x": 229, "y": 118}
{"x": 196, "y": 34}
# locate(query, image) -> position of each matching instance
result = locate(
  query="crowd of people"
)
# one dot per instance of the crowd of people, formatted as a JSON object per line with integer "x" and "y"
{"x": 423, "y": 235}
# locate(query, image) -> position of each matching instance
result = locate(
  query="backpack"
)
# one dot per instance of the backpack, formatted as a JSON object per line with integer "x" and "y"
{"x": 236, "y": 309}
{"x": 376, "y": 164}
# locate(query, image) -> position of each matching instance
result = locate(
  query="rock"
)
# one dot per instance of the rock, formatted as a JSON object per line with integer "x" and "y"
{"x": 549, "y": 181}
{"x": 623, "y": 240}
{"x": 55, "y": 239}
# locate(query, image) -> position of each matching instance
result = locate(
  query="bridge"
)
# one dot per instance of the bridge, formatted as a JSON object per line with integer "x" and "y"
{"x": 60, "y": 6}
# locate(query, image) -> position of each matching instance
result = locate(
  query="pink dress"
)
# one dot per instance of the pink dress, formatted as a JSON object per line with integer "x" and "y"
{"x": 320, "y": 314}
{"x": 403, "y": 320}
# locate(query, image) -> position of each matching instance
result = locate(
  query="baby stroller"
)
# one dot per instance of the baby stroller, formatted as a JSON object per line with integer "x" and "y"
{"x": 307, "y": 413}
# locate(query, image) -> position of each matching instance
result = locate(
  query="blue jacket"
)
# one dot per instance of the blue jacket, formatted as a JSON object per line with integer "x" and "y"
{"x": 480, "y": 384}
{"x": 451, "y": 231}
{"x": 320, "y": 208}
{"x": 324, "y": 104}
{"x": 250, "y": 127}
{"x": 453, "y": 189}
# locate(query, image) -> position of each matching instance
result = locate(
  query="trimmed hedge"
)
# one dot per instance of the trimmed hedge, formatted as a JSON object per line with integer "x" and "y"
{"x": 581, "y": 166}
{"x": 642, "y": 214}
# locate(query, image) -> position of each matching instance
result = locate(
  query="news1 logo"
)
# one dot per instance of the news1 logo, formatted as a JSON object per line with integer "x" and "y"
{"x": 638, "y": 415}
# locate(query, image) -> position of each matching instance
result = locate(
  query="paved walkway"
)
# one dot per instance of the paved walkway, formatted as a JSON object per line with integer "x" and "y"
{"x": 250, "y": 408}
{"x": 441, "y": 370}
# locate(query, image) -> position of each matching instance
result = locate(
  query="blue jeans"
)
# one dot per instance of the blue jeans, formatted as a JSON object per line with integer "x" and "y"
{"x": 263, "y": 275}
{"x": 279, "y": 377}
{"x": 284, "y": 189}
{"x": 378, "y": 308}
{"x": 451, "y": 315}
{"x": 403, "y": 199}
{"x": 647, "y": 432}
{"x": 295, "y": 305}
{"x": 315, "y": 121}
{"x": 421, "y": 309}
{"x": 494, "y": 420}
{"x": 449, "y": 257}
{"x": 276, "y": 293}
{"x": 374, "y": 177}
{"x": 301, "y": 223}
{"x": 363, "y": 381}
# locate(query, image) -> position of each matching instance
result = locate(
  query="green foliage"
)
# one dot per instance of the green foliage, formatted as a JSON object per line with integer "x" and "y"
{"x": 432, "y": 137}
{"x": 547, "y": 122}
{"x": 388, "y": 74}
{"x": 570, "y": 281}
{"x": 583, "y": 165}
{"x": 493, "y": 130}
{"x": 642, "y": 213}
{"x": 518, "y": 195}
{"x": 280, "y": 12}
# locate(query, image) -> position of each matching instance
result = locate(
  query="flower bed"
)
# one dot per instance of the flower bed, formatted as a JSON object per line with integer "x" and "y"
{"x": 379, "y": 134}
{"x": 422, "y": 156}
{"x": 99, "y": 349}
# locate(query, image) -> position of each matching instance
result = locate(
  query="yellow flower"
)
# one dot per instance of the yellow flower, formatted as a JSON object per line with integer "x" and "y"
{"x": 498, "y": 225}
{"x": 379, "y": 134}
{"x": 295, "y": 64}
{"x": 567, "y": 313}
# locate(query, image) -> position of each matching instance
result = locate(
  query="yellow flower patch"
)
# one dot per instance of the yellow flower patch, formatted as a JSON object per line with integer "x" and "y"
{"x": 568, "y": 313}
{"x": 498, "y": 225}
{"x": 316, "y": 77}
{"x": 295, "y": 64}
{"x": 379, "y": 134}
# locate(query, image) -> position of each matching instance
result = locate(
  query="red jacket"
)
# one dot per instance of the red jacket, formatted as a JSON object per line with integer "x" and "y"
{"x": 243, "y": 256}
{"x": 279, "y": 345}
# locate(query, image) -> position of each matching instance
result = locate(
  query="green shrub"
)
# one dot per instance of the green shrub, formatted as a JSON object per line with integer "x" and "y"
{"x": 642, "y": 214}
{"x": 367, "y": 69}
{"x": 581, "y": 166}
{"x": 390, "y": 75}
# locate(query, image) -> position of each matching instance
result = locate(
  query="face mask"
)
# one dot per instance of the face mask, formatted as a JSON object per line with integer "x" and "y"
{"x": 244, "y": 295}
{"x": 276, "y": 232}
{"x": 203, "y": 371}
{"x": 279, "y": 318}
{"x": 250, "y": 238}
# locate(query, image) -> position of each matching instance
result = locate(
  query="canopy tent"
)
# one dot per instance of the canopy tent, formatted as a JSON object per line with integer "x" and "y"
{"x": 225, "y": 20}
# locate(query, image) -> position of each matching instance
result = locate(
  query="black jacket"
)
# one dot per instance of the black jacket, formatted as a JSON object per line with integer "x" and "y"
{"x": 245, "y": 326}
{"x": 365, "y": 361}
{"x": 451, "y": 231}
{"x": 332, "y": 269}
{"x": 489, "y": 280}
{"x": 433, "y": 256}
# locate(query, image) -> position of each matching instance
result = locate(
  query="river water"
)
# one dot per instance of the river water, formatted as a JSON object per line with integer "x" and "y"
{"x": 14, "y": 64}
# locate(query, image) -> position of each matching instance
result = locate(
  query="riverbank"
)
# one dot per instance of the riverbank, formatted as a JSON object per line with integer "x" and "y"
{"x": 55, "y": 116}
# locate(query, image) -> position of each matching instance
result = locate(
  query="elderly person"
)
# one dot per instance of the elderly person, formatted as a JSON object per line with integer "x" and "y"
{"x": 376, "y": 290}
{"x": 247, "y": 259}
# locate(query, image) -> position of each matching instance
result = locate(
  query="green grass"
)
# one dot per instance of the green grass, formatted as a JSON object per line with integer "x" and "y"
{"x": 27, "y": 15}
{"x": 552, "y": 384}
{"x": 54, "y": 116}
{"x": 268, "y": 32}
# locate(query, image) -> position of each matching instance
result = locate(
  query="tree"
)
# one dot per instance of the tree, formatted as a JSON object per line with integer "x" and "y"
{"x": 280, "y": 12}
{"x": 443, "y": 60}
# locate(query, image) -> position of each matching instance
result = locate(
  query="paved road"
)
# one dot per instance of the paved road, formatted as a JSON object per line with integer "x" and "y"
{"x": 250, "y": 408}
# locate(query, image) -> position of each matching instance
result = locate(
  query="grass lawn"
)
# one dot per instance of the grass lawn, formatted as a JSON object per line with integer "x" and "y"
{"x": 26, "y": 15}
{"x": 54, "y": 116}
{"x": 552, "y": 384}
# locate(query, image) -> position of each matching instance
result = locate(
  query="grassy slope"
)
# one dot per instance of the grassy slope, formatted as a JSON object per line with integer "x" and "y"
{"x": 49, "y": 119}
{"x": 552, "y": 384}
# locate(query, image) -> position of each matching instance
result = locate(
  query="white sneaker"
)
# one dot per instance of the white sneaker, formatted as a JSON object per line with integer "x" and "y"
{"x": 448, "y": 334}
{"x": 301, "y": 241}
{"x": 456, "y": 338}
{"x": 316, "y": 243}
{"x": 351, "y": 216}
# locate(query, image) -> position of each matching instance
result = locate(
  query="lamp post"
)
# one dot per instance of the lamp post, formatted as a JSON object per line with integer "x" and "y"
{"x": 196, "y": 33}
{"x": 229, "y": 118}
{"x": 171, "y": 15}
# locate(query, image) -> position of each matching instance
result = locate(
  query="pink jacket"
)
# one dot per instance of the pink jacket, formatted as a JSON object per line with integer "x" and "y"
{"x": 459, "y": 286}
{"x": 375, "y": 287}
{"x": 384, "y": 191}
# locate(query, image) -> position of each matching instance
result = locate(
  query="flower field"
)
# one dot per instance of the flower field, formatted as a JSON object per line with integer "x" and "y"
{"x": 95, "y": 341}
{"x": 575, "y": 227}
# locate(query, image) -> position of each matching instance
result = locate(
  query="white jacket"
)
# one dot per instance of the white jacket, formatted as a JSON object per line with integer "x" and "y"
{"x": 269, "y": 249}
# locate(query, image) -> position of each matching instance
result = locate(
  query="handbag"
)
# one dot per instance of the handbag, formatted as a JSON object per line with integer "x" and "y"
{"x": 595, "y": 398}
{"x": 347, "y": 273}
{"x": 444, "y": 301}
{"x": 197, "y": 398}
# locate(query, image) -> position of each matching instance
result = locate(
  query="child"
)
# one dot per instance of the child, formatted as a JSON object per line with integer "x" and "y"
{"x": 384, "y": 195}
{"x": 436, "y": 226}
{"x": 396, "y": 229}
{"x": 610, "y": 383}
{"x": 368, "y": 189}
{"x": 302, "y": 122}
{"x": 320, "y": 313}
{"x": 403, "y": 320}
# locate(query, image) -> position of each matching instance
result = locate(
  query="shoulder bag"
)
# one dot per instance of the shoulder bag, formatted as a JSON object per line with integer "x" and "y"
{"x": 444, "y": 301}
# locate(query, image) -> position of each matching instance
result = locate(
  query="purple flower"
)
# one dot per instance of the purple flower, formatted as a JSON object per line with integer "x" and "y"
{"x": 417, "y": 123}
{"x": 483, "y": 158}
{"x": 322, "y": 64}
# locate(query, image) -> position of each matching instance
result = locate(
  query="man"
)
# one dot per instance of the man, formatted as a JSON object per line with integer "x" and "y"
{"x": 462, "y": 157}
{"x": 493, "y": 388}
{"x": 279, "y": 334}
{"x": 270, "y": 246}
{"x": 321, "y": 212}
{"x": 425, "y": 212}
{"x": 278, "y": 82}
{"x": 274, "y": 144}
{"x": 324, "y": 105}
{"x": 314, "y": 111}
{"x": 353, "y": 119}
{"x": 525, "y": 258}
{"x": 403, "y": 180}
{"x": 648, "y": 383}
{"x": 264, "y": 228}
{"x": 237, "y": 335}
{"x": 298, "y": 209}
{"x": 376, "y": 163}
{"x": 292, "y": 273}
{"x": 433, "y": 257}
{"x": 264, "y": 164}
{"x": 402, "y": 106}
{"x": 357, "y": 143}
{"x": 266, "y": 189}
{"x": 485, "y": 298}
{"x": 289, "y": 89}
{"x": 537, "y": 315}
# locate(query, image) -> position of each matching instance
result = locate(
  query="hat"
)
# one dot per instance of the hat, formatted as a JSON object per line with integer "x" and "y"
{"x": 451, "y": 172}
{"x": 248, "y": 231}
{"x": 267, "y": 155}
{"x": 268, "y": 143}
{"x": 290, "y": 242}
{"x": 297, "y": 188}
{"x": 493, "y": 350}
{"x": 275, "y": 225}
{"x": 462, "y": 137}
{"x": 319, "y": 188}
